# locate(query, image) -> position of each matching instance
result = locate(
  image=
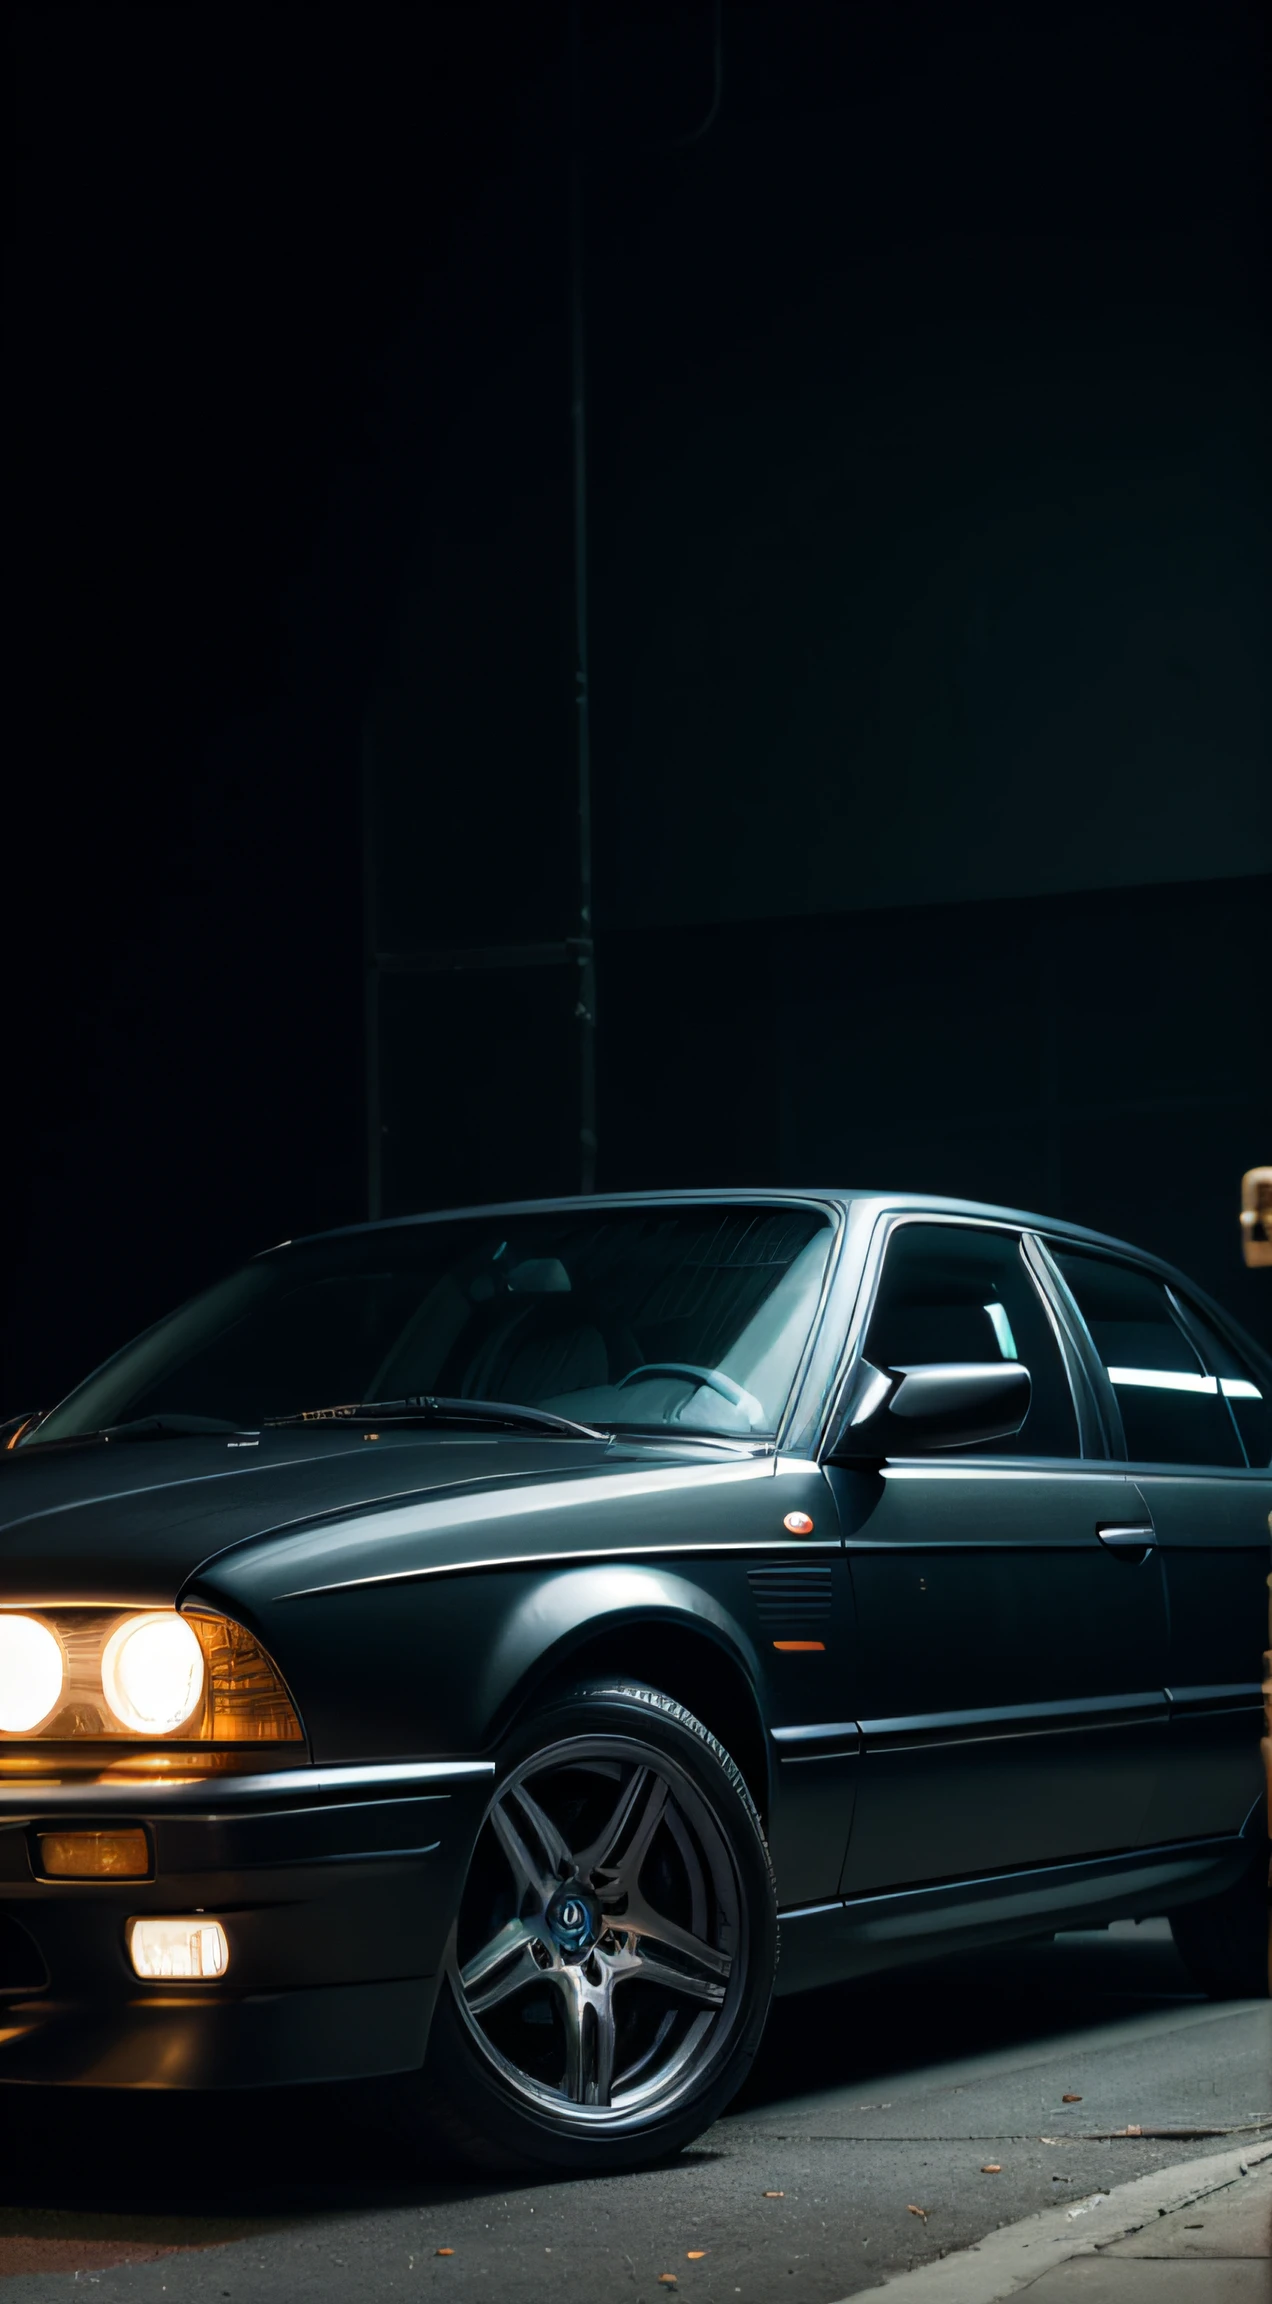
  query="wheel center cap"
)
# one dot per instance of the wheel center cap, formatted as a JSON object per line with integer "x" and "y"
{"x": 574, "y": 1917}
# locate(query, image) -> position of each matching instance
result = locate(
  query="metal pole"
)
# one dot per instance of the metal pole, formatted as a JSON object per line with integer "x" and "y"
{"x": 371, "y": 982}
{"x": 585, "y": 1006}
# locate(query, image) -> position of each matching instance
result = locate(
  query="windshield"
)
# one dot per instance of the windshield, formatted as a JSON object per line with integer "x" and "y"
{"x": 693, "y": 1318}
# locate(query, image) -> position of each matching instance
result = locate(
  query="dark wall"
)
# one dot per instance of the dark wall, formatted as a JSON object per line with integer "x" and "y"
{"x": 930, "y": 484}
{"x": 236, "y": 243}
{"x": 929, "y": 518}
{"x": 1096, "y": 1057}
{"x": 934, "y": 482}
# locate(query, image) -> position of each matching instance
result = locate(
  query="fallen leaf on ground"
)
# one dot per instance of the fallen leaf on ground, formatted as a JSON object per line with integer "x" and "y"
{"x": 913, "y": 2211}
{"x": 1071, "y": 2099}
{"x": 992, "y": 2168}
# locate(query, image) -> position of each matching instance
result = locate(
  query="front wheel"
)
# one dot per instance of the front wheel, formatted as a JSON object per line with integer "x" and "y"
{"x": 613, "y": 1955}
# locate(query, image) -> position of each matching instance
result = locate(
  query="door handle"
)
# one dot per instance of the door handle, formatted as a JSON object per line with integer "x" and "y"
{"x": 1130, "y": 1540}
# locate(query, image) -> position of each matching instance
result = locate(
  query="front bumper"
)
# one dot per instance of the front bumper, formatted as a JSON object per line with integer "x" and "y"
{"x": 336, "y": 1888}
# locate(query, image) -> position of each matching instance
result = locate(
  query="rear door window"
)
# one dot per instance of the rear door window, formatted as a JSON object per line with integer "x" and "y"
{"x": 1240, "y": 1384}
{"x": 1173, "y": 1411}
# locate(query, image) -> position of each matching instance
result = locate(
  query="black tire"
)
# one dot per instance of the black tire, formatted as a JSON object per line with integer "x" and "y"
{"x": 1226, "y": 1941}
{"x": 602, "y": 2026}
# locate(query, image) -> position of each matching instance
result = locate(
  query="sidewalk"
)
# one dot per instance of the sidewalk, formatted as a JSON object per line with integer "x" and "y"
{"x": 1198, "y": 2233}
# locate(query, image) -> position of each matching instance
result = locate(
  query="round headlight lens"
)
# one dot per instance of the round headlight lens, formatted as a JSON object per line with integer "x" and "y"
{"x": 31, "y": 1672}
{"x": 152, "y": 1673}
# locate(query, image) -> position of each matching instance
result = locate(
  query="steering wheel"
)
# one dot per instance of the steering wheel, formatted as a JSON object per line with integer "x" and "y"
{"x": 714, "y": 1378}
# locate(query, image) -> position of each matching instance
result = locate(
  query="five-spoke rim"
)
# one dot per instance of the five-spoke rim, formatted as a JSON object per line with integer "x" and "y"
{"x": 600, "y": 1941}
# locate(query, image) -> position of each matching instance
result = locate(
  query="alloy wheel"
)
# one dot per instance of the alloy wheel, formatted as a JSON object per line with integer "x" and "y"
{"x": 601, "y": 1939}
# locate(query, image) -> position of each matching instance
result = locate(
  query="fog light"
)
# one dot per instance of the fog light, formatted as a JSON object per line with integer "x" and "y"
{"x": 94, "y": 1855}
{"x": 190, "y": 1947}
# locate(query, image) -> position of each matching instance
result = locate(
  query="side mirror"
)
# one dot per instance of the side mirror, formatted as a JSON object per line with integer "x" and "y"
{"x": 948, "y": 1404}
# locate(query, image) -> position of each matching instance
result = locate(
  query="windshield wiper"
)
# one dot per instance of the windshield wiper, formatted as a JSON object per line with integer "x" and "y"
{"x": 433, "y": 1408}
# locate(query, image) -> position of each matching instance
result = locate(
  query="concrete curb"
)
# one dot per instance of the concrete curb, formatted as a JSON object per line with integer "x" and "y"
{"x": 1008, "y": 2260}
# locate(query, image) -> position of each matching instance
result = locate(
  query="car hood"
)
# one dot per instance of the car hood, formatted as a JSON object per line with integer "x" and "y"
{"x": 133, "y": 1522}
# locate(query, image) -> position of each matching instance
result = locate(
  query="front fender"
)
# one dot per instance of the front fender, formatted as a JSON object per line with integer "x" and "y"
{"x": 564, "y": 1612}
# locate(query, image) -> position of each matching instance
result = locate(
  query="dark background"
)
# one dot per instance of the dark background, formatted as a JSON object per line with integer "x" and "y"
{"x": 931, "y": 579}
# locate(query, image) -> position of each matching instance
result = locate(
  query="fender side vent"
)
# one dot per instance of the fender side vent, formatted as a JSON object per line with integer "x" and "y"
{"x": 791, "y": 1595}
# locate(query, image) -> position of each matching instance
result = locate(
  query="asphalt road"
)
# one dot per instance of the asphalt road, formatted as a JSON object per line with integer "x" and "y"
{"x": 869, "y": 2102}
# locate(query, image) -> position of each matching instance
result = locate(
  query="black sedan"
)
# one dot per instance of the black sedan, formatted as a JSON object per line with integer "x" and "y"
{"x": 448, "y": 1649}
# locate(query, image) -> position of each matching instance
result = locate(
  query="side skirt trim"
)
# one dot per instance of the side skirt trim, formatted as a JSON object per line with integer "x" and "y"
{"x": 828, "y": 1943}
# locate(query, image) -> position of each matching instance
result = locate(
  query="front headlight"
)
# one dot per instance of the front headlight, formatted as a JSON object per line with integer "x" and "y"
{"x": 32, "y": 1670}
{"x": 112, "y": 1674}
{"x": 152, "y": 1673}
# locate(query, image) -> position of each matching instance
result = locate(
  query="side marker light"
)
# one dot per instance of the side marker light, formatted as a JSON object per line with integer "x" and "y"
{"x": 798, "y": 1523}
{"x": 800, "y": 1647}
{"x": 191, "y": 1948}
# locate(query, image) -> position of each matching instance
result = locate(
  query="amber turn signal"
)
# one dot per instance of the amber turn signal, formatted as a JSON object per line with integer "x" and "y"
{"x": 94, "y": 1855}
{"x": 247, "y": 1701}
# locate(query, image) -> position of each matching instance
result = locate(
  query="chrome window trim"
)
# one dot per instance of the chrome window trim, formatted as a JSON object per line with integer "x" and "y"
{"x": 839, "y": 1213}
{"x": 1104, "y": 1398}
{"x": 1085, "y": 1400}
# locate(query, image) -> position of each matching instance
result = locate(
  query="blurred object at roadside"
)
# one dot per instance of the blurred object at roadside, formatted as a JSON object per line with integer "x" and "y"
{"x": 1256, "y": 1216}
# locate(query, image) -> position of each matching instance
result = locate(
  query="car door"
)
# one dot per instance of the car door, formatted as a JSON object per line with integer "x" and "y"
{"x": 1012, "y": 1641}
{"x": 1198, "y": 1434}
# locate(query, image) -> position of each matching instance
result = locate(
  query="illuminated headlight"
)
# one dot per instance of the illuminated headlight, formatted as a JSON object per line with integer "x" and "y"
{"x": 102, "y": 1673}
{"x": 152, "y": 1673}
{"x": 32, "y": 1668}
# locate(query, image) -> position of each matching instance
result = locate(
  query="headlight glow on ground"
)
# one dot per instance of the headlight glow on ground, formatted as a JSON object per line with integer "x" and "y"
{"x": 31, "y": 1672}
{"x": 191, "y": 1947}
{"x": 152, "y": 1673}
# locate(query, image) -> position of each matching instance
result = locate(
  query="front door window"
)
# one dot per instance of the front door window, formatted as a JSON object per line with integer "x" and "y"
{"x": 950, "y": 1292}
